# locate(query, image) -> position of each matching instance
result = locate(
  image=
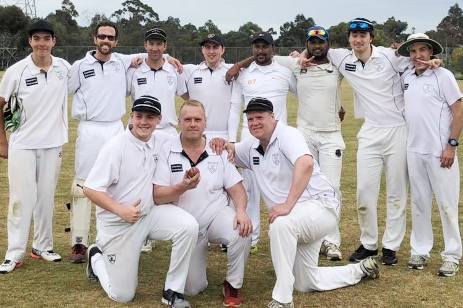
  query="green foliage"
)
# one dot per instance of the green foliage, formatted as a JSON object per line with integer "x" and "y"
{"x": 293, "y": 33}
{"x": 456, "y": 60}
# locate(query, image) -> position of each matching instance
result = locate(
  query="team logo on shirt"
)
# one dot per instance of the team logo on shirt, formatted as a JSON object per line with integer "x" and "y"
{"x": 60, "y": 74}
{"x": 212, "y": 166}
{"x": 117, "y": 67}
{"x": 170, "y": 80}
{"x": 112, "y": 258}
{"x": 428, "y": 88}
{"x": 251, "y": 82}
{"x": 276, "y": 159}
{"x": 89, "y": 73}
{"x": 379, "y": 66}
{"x": 141, "y": 81}
{"x": 350, "y": 67}
{"x": 406, "y": 86}
{"x": 176, "y": 168}
{"x": 255, "y": 160}
{"x": 198, "y": 80}
{"x": 31, "y": 81}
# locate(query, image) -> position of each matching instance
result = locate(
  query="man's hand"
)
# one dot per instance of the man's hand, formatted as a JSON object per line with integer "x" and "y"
{"x": 305, "y": 62}
{"x": 278, "y": 210}
{"x": 131, "y": 213}
{"x": 230, "y": 148}
{"x": 191, "y": 179}
{"x": 294, "y": 54}
{"x": 4, "y": 149}
{"x": 136, "y": 62}
{"x": 431, "y": 64}
{"x": 448, "y": 157}
{"x": 242, "y": 222}
{"x": 217, "y": 145}
{"x": 232, "y": 73}
{"x": 176, "y": 63}
{"x": 341, "y": 113}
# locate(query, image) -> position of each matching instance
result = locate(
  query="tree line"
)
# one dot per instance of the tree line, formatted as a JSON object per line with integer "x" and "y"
{"x": 135, "y": 17}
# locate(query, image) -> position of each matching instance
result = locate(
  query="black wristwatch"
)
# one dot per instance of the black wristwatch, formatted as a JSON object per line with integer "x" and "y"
{"x": 453, "y": 142}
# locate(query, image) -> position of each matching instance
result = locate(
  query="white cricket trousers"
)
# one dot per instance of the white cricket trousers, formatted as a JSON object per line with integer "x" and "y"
{"x": 428, "y": 177}
{"x": 380, "y": 148}
{"x": 327, "y": 149}
{"x": 32, "y": 175}
{"x": 220, "y": 231}
{"x": 295, "y": 241}
{"x": 91, "y": 136}
{"x": 120, "y": 242}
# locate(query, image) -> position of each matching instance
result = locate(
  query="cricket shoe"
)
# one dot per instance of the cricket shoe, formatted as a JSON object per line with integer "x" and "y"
{"x": 8, "y": 266}
{"x": 448, "y": 269}
{"x": 277, "y": 304}
{"x": 47, "y": 255}
{"x": 370, "y": 268}
{"x": 417, "y": 262}
{"x": 389, "y": 257}
{"x": 78, "y": 253}
{"x": 231, "y": 296}
{"x": 174, "y": 299}
{"x": 331, "y": 251}
{"x": 91, "y": 251}
{"x": 362, "y": 253}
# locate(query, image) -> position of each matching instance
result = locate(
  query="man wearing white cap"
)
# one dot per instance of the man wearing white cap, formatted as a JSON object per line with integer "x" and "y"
{"x": 121, "y": 185}
{"x": 434, "y": 117}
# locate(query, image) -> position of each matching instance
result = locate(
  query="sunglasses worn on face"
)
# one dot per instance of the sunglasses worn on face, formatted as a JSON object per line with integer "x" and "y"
{"x": 359, "y": 26}
{"x": 104, "y": 36}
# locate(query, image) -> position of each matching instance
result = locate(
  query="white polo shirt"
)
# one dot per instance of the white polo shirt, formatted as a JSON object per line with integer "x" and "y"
{"x": 274, "y": 168}
{"x": 378, "y": 95}
{"x": 318, "y": 94}
{"x": 43, "y": 96}
{"x": 99, "y": 88}
{"x": 428, "y": 98}
{"x": 217, "y": 175}
{"x": 213, "y": 91}
{"x": 124, "y": 170}
{"x": 164, "y": 84}
{"x": 272, "y": 82}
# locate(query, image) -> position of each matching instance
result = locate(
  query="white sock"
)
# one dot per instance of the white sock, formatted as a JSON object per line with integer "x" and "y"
{"x": 99, "y": 269}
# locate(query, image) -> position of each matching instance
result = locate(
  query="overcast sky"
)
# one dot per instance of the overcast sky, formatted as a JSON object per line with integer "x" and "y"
{"x": 228, "y": 15}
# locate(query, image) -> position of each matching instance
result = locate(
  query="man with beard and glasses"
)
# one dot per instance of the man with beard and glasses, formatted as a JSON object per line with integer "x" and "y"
{"x": 263, "y": 78}
{"x": 98, "y": 82}
{"x": 319, "y": 116}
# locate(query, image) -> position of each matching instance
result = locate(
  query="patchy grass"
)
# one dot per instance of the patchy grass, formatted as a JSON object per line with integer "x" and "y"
{"x": 62, "y": 284}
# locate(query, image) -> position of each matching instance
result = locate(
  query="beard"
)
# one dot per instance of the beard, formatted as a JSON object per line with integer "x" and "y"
{"x": 104, "y": 51}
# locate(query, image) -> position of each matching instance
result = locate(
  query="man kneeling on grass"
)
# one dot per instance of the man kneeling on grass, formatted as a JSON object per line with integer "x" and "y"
{"x": 303, "y": 205}
{"x": 120, "y": 184}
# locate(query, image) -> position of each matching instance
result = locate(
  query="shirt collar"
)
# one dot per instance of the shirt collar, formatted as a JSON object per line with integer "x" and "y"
{"x": 37, "y": 70}
{"x": 203, "y": 65}
{"x": 177, "y": 146}
{"x": 256, "y": 144}
{"x": 427, "y": 72}
{"x": 145, "y": 67}
{"x": 137, "y": 142}
{"x": 262, "y": 68}
{"x": 374, "y": 53}
{"x": 91, "y": 59}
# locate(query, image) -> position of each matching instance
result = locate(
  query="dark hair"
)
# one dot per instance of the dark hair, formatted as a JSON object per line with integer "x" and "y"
{"x": 105, "y": 23}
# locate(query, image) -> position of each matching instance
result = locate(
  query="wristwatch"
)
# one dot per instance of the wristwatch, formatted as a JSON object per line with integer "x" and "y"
{"x": 453, "y": 142}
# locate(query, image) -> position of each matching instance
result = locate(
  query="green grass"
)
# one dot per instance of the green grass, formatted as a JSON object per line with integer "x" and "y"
{"x": 39, "y": 283}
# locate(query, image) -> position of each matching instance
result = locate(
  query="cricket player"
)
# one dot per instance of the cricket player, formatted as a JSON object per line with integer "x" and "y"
{"x": 217, "y": 181}
{"x": 206, "y": 83}
{"x": 434, "y": 117}
{"x": 303, "y": 206}
{"x": 264, "y": 78}
{"x": 374, "y": 74}
{"x": 98, "y": 82}
{"x": 121, "y": 185}
{"x": 38, "y": 84}
{"x": 157, "y": 77}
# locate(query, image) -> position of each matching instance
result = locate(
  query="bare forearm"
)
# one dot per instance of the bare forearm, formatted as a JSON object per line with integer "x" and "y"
{"x": 238, "y": 195}
{"x": 167, "y": 194}
{"x": 457, "y": 122}
{"x": 301, "y": 175}
{"x": 102, "y": 200}
{"x": 245, "y": 63}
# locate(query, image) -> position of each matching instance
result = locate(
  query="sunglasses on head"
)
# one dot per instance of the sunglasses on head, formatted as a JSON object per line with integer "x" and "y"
{"x": 104, "y": 36}
{"x": 359, "y": 25}
{"x": 317, "y": 32}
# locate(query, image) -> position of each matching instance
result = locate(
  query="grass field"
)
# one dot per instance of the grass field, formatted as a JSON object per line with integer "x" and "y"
{"x": 63, "y": 284}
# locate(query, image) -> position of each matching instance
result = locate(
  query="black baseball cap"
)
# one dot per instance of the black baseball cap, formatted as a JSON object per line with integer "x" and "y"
{"x": 263, "y": 36}
{"x": 41, "y": 25}
{"x": 156, "y": 34}
{"x": 147, "y": 103}
{"x": 259, "y": 104}
{"x": 212, "y": 38}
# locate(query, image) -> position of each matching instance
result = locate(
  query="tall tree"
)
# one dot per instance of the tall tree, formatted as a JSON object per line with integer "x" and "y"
{"x": 450, "y": 29}
{"x": 293, "y": 33}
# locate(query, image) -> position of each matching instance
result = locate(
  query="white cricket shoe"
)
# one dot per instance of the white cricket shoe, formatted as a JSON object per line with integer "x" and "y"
{"x": 331, "y": 251}
{"x": 277, "y": 304}
{"x": 8, "y": 266}
{"x": 417, "y": 262}
{"x": 49, "y": 255}
{"x": 369, "y": 267}
{"x": 448, "y": 269}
